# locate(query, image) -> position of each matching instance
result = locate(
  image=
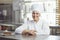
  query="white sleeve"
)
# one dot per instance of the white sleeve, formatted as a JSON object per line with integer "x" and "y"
{"x": 21, "y": 28}
{"x": 46, "y": 29}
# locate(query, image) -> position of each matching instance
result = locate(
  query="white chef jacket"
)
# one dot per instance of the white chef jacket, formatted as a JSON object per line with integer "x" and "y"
{"x": 41, "y": 27}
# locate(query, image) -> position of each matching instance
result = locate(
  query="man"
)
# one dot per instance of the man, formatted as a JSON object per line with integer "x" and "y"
{"x": 35, "y": 26}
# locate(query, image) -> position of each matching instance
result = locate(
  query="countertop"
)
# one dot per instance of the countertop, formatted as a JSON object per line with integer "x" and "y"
{"x": 37, "y": 37}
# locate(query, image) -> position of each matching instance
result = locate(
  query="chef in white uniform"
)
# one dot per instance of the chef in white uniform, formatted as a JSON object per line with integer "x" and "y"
{"x": 35, "y": 26}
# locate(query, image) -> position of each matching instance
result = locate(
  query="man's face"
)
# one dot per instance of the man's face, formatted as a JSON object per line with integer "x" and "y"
{"x": 35, "y": 15}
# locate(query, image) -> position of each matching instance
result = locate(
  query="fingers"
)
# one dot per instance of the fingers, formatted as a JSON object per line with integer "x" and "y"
{"x": 32, "y": 30}
{"x": 25, "y": 32}
{"x": 32, "y": 33}
{"x": 29, "y": 32}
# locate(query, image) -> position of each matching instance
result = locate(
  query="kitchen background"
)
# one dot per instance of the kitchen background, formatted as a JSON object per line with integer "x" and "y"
{"x": 16, "y": 12}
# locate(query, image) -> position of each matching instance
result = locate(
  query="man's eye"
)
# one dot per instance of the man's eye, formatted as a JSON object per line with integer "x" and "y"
{"x": 37, "y": 13}
{"x": 33, "y": 13}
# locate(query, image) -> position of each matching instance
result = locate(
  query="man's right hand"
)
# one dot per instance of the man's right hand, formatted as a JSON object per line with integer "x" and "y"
{"x": 25, "y": 32}
{"x": 29, "y": 32}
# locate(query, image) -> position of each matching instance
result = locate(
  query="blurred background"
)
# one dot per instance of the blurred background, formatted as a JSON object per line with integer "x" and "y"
{"x": 16, "y": 12}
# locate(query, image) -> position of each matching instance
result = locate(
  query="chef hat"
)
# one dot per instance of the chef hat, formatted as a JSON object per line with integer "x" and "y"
{"x": 37, "y": 7}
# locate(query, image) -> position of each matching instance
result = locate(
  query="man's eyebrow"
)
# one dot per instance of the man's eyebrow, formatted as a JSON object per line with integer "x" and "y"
{"x": 35, "y": 13}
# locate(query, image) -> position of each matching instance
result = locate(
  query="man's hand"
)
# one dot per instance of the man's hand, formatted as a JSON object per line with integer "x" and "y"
{"x": 32, "y": 32}
{"x": 29, "y": 32}
{"x": 25, "y": 32}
